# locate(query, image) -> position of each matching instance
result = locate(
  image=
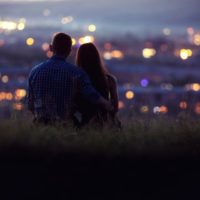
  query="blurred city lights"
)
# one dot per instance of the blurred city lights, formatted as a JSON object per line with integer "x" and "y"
{"x": 144, "y": 82}
{"x": 45, "y": 46}
{"x": 67, "y": 20}
{"x": 73, "y": 41}
{"x": 8, "y": 25}
{"x": 163, "y": 109}
{"x": 166, "y": 31}
{"x": 185, "y": 54}
{"x": 18, "y": 106}
{"x": 183, "y": 105}
{"x": 130, "y": 94}
{"x": 197, "y": 39}
{"x": 30, "y": 41}
{"x": 117, "y": 54}
{"x": 190, "y": 30}
{"x": 195, "y": 87}
{"x": 5, "y": 79}
{"x": 197, "y": 108}
{"x": 148, "y": 52}
{"x": 21, "y": 26}
{"x": 121, "y": 104}
{"x": 19, "y": 94}
{"x": 86, "y": 39}
{"x": 107, "y": 55}
{"x": 144, "y": 109}
{"x": 92, "y": 28}
{"x": 156, "y": 110}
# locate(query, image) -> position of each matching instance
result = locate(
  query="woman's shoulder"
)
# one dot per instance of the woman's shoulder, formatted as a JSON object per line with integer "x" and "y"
{"x": 111, "y": 78}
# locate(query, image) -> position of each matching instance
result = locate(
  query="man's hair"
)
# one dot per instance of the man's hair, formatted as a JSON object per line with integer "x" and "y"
{"x": 62, "y": 44}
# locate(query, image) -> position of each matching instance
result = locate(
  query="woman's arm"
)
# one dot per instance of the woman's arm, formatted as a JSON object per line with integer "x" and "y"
{"x": 113, "y": 92}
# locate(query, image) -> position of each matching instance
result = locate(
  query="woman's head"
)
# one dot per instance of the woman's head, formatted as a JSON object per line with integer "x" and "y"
{"x": 89, "y": 59}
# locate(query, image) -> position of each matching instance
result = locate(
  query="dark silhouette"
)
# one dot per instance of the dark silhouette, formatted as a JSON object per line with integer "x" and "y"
{"x": 55, "y": 84}
{"x": 88, "y": 58}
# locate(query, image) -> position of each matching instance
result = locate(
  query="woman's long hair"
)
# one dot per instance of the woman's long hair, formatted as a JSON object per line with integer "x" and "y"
{"x": 88, "y": 58}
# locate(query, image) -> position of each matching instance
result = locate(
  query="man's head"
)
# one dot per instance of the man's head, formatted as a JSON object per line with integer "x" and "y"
{"x": 61, "y": 45}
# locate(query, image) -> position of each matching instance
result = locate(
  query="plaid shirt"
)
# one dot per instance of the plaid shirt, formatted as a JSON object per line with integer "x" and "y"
{"x": 54, "y": 86}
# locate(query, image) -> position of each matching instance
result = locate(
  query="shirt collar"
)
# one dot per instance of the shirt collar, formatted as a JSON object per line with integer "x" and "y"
{"x": 55, "y": 57}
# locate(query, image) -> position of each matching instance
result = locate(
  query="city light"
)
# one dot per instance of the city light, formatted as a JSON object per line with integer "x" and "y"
{"x": 197, "y": 108}
{"x": 30, "y": 41}
{"x": 163, "y": 109}
{"x": 156, "y": 110}
{"x": 5, "y": 79}
{"x": 148, "y": 52}
{"x": 67, "y": 20}
{"x": 130, "y": 94}
{"x": 18, "y": 106}
{"x": 73, "y": 41}
{"x": 166, "y": 31}
{"x": 183, "y": 105}
{"x": 144, "y": 82}
{"x": 92, "y": 28}
{"x": 107, "y": 55}
{"x": 144, "y": 109}
{"x": 86, "y": 39}
{"x": 195, "y": 87}
{"x": 8, "y": 25}
{"x": 45, "y": 46}
{"x": 185, "y": 54}
{"x": 20, "y": 94}
{"x": 117, "y": 54}
{"x": 121, "y": 105}
{"x": 197, "y": 39}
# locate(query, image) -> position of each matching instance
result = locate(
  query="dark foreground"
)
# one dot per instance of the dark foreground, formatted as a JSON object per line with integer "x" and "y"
{"x": 79, "y": 176}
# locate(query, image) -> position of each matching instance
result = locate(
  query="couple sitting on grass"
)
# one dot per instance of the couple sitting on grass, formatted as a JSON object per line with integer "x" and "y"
{"x": 62, "y": 92}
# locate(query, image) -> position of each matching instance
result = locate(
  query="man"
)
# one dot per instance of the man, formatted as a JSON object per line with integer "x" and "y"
{"x": 55, "y": 84}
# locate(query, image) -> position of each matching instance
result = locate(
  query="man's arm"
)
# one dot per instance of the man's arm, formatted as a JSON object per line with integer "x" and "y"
{"x": 91, "y": 95}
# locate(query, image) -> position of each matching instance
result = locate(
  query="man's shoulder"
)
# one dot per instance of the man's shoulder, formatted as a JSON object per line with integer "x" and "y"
{"x": 75, "y": 69}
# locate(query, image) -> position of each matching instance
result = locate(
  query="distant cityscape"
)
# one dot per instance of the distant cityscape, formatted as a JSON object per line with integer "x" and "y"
{"x": 156, "y": 74}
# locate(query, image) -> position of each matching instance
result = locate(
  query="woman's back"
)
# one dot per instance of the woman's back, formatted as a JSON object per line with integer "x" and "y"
{"x": 88, "y": 58}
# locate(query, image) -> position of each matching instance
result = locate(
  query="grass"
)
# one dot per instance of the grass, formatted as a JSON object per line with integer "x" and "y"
{"x": 158, "y": 136}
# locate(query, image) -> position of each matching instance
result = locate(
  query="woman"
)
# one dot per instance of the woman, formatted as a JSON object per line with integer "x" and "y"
{"x": 88, "y": 58}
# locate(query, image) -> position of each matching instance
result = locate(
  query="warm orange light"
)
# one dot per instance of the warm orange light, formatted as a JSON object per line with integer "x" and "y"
{"x": 197, "y": 39}
{"x": 117, "y": 54}
{"x": 30, "y": 41}
{"x": 19, "y": 94}
{"x": 130, "y": 95}
{"x": 121, "y": 104}
{"x": 163, "y": 109}
{"x": 196, "y": 87}
{"x": 183, "y": 105}
{"x": 9, "y": 96}
{"x": 185, "y": 53}
{"x": 86, "y": 39}
{"x": 18, "y": 106}
{"x": 73, "y": 41}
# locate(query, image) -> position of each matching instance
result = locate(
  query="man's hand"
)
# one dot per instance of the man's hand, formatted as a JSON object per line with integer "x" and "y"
{"x": 106, "y": 104}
